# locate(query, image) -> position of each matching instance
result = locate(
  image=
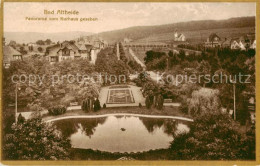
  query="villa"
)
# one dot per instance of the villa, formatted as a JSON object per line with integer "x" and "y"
{"x": 213, "y": 40}
{"x": 10, "y": 54}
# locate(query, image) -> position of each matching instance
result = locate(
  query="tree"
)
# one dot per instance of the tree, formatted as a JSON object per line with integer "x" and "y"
{"x": 160, "y": 101}
{"x": 12, "y": 43}
{"x": 157, "y": 64}
{"x": 34, "y": 139}
{"x": 148, "y": 102}
{"x": 152, "y": 55}
{"x": 22, "y": 50}
{"x": 48, "y": 41}
{"x": 122, "y": 53}
{"x": 204, "y": 100}
{"x": 213, "y": 137}
{"x": 181, "y": 55}
{"x": 203, "y": 70}
{"x": 40, "y": 49}
{"x": 110, "y": 67}
{"x": 97, "y": 105}
{"x": 40, "y": 42}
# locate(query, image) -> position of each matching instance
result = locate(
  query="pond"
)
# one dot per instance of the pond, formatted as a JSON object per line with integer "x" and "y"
{"x": 121, "y": 133}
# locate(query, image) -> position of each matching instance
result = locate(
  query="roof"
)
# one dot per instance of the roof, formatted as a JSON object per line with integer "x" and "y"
{"x": 81, "y": 46}
{"x": 179, "y": 35}
{"x": 88, "y": 46}
{"x": 52, "y": 50}
{"x": 91, "y": 39}
{"x": 69, "y": 45}
{"x": 9, "y": 52}
{"x": 227, "y": 41}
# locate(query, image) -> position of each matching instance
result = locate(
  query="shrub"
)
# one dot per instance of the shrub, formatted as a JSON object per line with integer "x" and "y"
{"x": 85, "y": 106}
{"x": 160, "y": 101}
{"x": 213, "y": 136}
{"x": 20, "y": 118}
{"x": 140, "y": 105}
{"x": 35, "y": 140}
{"x": 148, "y": 102}
{"x": 97, "y": 105}
{"x": 104, "y": 105}
{"x": 57, "y": 110}
{"x": 184, "y": 107}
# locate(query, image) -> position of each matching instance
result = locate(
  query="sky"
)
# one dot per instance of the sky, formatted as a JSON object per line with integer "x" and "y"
{"x": 114, "y": 15}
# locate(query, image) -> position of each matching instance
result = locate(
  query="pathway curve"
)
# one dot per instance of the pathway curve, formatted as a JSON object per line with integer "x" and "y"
{"x": 122, "y": 114}
{"x": 136, "y": 58}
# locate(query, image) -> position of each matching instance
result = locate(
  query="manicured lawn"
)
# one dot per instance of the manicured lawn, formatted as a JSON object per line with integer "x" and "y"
{"x": 167, "y": 110}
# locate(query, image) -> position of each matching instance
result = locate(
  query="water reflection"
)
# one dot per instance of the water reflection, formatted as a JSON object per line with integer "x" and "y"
{"x": 121, "y": 133}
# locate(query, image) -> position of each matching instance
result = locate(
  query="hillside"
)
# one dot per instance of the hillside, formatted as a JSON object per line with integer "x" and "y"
{"x": 192, "y": 27}
{"x": 26, "y": 37}
{"x": 199, "y": 36}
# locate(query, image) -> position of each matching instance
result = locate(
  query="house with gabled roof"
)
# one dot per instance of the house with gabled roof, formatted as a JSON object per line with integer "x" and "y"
{"x": 67, "y": 50}
{"x": 10, "y": 54}
{"x": 226, "y": 43}
{"x": 236, "y": 44}
{"x": 179, "y": 36}
{"x": 243, "y": 42}
{"x": 213, "y": 40}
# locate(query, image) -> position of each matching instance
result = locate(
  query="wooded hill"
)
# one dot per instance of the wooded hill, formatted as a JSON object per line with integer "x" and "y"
{"x": 192, "y": 27}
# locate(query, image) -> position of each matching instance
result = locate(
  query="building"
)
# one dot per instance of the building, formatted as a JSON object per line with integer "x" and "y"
{"x": 244, "y": 42}
{"x": 10, "y": 54}
{"x": 226, "y": 43}
{"x": 94, "y": 44}
{"x": 67, "y": 50}
{"x": 179, "y": 37}
{"x": 237, "y": 44}
{"x": 253, "y": 46}
{"x": 95, "y": 41}
{"x": 127, "y": 40}
{"x": 213, "y": 41}
{"x": 251, "y": 108}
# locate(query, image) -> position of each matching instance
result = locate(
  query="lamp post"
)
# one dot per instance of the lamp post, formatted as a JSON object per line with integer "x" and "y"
{"x": 234, "y": 90}
{"x": 234, "y": 96}
{"x": 16, "y": 100}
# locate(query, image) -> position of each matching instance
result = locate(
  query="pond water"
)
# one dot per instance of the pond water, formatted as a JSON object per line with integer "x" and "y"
{"x": 121, "y": 133}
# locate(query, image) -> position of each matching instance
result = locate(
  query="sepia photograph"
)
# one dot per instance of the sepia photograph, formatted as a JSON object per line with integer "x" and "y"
{"x": 139, "y": 81}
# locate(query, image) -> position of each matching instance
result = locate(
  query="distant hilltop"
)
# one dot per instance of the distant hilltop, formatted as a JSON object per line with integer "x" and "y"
{"x": 193, "y": 30}
{"x": 27, "y": 37}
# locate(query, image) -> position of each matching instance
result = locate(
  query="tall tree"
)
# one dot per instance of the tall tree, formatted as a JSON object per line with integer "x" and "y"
{"x": 35, "y": 140}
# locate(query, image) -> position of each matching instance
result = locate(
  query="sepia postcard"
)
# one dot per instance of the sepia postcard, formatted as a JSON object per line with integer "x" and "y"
{"x": 140, "y": 83}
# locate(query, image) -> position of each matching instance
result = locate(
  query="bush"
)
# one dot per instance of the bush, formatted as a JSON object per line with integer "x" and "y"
{"x": 20, "y": 118}
{"x": 160, "y": 101}
{"x": 214, "y": 136}
{"x": 148, "y": 102}
{"x": 140, "y": 105}
{"x": 97, "y": 105}
{"x": 85, "y": 106}
{"x": 184, "y": 107}
{"x": 57, "y": 110}
{"x": 34, "y": 139}
{"x": 104, "y": 105}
